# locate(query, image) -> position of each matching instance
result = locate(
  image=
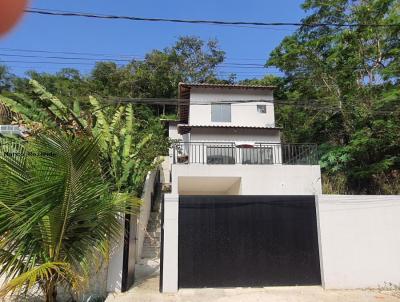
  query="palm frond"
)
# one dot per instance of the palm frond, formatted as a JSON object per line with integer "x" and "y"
{"x": 45, "y": 271}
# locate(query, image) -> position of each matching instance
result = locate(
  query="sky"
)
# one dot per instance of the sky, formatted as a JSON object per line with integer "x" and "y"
{"x": 123, "y": 39}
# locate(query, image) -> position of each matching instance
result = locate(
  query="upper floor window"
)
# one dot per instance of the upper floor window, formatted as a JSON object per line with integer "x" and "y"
{"x": 262, "y": 108}
{"x": 221, "y": 113}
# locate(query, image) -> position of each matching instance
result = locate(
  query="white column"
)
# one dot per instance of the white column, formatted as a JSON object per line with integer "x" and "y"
{"x": 170, "y": 248}
{"x": 114, "y": 276}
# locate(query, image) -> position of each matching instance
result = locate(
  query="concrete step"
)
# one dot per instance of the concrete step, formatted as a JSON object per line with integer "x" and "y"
{"x": 154, "y": 221}
{"x": 153, "y": 234}
{"x": 150, "y": 255}
{"x": 152, "y": 239}
{"x": 151, "y": 248}
{"x": 153, "y": 227}
{"x": 151, "y": 244}
{"x": 150, "y": 252}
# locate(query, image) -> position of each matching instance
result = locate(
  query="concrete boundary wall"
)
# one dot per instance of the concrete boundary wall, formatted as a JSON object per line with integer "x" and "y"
{"x": 145, "y": 209}
{"x": 359, "y": 240}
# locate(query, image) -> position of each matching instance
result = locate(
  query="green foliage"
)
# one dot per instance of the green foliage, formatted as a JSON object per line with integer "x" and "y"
{"x": 56, "y": 211}
{"x": 345, "y": 81}
{"x": 6, "y": 79}
{"x": 68, "y": 85}
{"x": 130, "y": 142}
{"x": 40, "y": 109}
{"x": 158, "y": 75}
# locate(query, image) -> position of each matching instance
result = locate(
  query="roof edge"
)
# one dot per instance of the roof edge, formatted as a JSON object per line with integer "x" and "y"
{"x": 229, "y": 86}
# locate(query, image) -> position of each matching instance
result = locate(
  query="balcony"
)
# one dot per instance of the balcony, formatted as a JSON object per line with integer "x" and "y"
{"x": 231, "y": 153}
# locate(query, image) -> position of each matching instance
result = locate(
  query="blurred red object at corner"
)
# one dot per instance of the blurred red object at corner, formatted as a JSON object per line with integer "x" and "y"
{"x": 11, "y": 12}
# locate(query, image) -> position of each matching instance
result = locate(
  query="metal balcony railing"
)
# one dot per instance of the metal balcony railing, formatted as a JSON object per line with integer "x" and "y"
{"x": 230, "y": 153}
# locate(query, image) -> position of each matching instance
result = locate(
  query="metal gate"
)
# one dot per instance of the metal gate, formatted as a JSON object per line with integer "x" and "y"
{"x": 231, "y": 241}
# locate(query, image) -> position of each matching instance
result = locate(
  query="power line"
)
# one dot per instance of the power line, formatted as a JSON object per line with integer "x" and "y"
{"x": 111, "y": 59}
{"x": 207, "y": 22}
{"x": 64, "y": 58}
{"x": 223, "y": 64}
{"x": 104, "y": 54}
{"x": 66, "y": 52}
{"x": 226, "y": 64}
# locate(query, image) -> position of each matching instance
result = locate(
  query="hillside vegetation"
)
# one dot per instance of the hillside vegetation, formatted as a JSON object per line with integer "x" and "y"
{"x": 339, "y": 89}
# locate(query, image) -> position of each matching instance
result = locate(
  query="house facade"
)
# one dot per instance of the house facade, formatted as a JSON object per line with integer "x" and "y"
{"x": 226, "y": 144}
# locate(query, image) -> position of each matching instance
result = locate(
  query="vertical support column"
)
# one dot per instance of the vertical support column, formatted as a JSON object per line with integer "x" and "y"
{"x": 115, "y": 265}
{"x": 170, "y": 244}
{"x": 321, "y": 260}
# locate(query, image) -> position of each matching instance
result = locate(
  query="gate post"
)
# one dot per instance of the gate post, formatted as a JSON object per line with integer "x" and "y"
{"x": 170, "y": 244}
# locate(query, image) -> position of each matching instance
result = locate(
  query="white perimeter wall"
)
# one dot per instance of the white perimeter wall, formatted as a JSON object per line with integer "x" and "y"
{"x": 256, "y": 179}
{"x": 359, "y": 240}
{"x": 244, "y": 114}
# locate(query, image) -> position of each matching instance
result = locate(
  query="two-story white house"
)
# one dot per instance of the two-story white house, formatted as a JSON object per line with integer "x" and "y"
{"x": 227, "y": 145}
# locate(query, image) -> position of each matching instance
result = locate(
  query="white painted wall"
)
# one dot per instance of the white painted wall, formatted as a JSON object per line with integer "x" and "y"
{"x": 256, "y": 179}
{"x": 234, "y": 135}
{"x": 359, "y": 240}
{"x": 170, "y": 249}
{"x": 144, "y": 213}
{"x": 244, "y": 114}
{"x": 114, "y": 275}
{"x": 165, "y": 170}
{"x": 173, "y": 131}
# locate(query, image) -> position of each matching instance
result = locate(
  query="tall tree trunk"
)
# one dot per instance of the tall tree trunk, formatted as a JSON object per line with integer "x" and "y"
{"x": 51, "y": 292}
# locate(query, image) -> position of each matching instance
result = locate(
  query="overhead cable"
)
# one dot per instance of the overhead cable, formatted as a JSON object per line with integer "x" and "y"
{"x": 208, "y": 22}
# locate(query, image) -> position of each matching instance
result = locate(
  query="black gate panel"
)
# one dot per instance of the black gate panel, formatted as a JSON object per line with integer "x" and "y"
{"x": 231, "y": 241}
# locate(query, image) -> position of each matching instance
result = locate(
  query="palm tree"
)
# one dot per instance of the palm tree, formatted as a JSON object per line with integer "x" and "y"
{"x": 56, "y": 212}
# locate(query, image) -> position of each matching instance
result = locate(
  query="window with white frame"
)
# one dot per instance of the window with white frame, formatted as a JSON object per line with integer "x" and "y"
{"x": 221, "y": 113}
{"x": 262, "y": 108}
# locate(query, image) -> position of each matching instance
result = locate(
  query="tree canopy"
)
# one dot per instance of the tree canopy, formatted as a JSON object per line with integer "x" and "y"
{"x": 347, "y": 81}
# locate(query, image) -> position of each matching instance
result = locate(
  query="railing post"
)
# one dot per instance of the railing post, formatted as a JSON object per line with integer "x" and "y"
{"x": 173, "y": 153}
{"x": 234, "y": 150}
{"x": 203, "y": 153}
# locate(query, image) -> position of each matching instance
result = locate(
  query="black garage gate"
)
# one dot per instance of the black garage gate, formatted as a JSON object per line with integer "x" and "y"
{"x": 230, "y": 241}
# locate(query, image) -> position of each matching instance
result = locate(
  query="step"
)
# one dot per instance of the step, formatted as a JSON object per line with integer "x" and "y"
{"x": 150, "y": 255}
{"x": 150, "y": 252}
{"x": 151, "y": 243}
{"x": 153, "y": 228}
{"x": 153, "y": 234}
{"x": 152, "y": 239}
